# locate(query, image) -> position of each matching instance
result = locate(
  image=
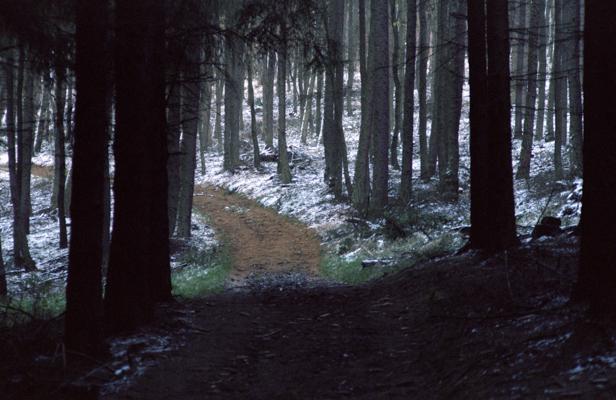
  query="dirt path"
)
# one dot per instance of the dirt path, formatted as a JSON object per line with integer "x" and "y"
{"x": 260, "y": 240}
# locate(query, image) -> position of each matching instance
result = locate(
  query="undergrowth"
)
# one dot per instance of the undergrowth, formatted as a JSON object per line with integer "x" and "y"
{"x": 203, "y": 273}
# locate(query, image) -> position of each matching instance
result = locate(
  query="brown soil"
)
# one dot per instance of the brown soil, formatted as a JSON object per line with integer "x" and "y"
{"x": 261, "y": 241}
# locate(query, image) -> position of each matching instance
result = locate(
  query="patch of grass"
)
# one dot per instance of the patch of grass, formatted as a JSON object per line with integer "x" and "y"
{"x": 350, "y": 272}
{"x": 204, "y": 273}
{"x": 38, "y": 300}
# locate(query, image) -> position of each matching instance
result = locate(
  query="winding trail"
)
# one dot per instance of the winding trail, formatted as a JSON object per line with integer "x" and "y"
{"x": 261, "y": 241}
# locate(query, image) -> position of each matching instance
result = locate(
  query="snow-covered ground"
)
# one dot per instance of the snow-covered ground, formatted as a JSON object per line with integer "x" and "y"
{"x": 309, "y": 200}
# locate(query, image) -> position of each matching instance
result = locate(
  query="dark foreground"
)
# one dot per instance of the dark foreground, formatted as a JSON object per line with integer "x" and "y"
{"x": 460, "y": 327}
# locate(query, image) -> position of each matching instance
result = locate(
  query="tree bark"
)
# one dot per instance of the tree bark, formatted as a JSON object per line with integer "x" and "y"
{"x": 84, "y": 289}
{"x": 409, "y": 103}
{"x": 422, "y": 88}
{"x": 139, "y": 271}
{"x": 60, "y": 157}
{"x": 493, "y": 226}
{"x": 283, "y": 161}
{"x": 597, "y": 275}
{"x": 361, "y": 179}
{"x": 379, "y": 104}
{"x": 253, "y": 115}
{"x": 531, "y": 94}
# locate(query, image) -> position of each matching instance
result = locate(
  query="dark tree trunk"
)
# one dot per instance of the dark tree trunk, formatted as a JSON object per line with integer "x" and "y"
{"x": 22, "y": 256}
{"x": 332, "y": 121}
{"x": 283, "y": 161}
{"x": 351, "y": 45}
{"x": 190, "y": 125}
{"x": 492, "y": 207}
{"x": 409, "y": 103}
{"x": 233, "y": 103}
{"x": 397, "y": 84}
{"x": 84, "y": 290}
{"x": 542, "y": 79}
{"x": 361, "y": 179}
{"x": 519, "y": 73}
{"x": 60, "y": 157}
{"x": 268, "y": 100}
{"x": 572, "y": 16}
{"x": 379, "y": 104}
{"x": 318, "y": 107}
{"x": 531, "y": 94}
{"x": 220, "y": 85}
{"x": 139, "y": 273}
{"x": 43, "y": 122}
{"x": 597, "y": 275}
{"x": 253, "y": 115}
{"x": 560, "y": 90}
{"x": 422, "y": 87}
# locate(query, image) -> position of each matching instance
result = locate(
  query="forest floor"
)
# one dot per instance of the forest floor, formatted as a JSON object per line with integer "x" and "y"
{"x": 459, "y": 327}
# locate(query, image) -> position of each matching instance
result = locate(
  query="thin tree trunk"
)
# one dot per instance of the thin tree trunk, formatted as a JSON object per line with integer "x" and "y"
{"x": 268, "y": 100}
{"x": 422, "y": 88}
{"x": 543, "y": 77}
{"x": 409, "y": 103}
{"x": 397, "y": 108}
{"x": 531, "y": 94}
{"x": 174, "y": 126}
{"x": 361, "y": 179}
{"x": 351, "y": 51}
{"x": 188, "y": 149}
{"x": 560, "y": 92}
{"x": 572, "y": 9}
{"x": 253, "y": 115}
{"x": 60, "y": 158}
{"x": 283, "y": 160}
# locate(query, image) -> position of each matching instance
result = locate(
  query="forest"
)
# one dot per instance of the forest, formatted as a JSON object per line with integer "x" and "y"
{"x": 307, "y": 199}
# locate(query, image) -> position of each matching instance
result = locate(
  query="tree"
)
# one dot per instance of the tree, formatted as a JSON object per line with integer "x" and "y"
{"x": 234, "y": 88}
{"x": 253, "y": 116}
{"x": 139, "y": 271}
{"x": 409, "y": 102}
{"x": 597, "y": 275}
{"x": 572, "y": 59}
{"x": 423, "y": 54}
{"x": 560, "y": 89}
{"x": 84, "y": 290}
{"x": 492, "y": 207}
{"x": 59, "y": 152}
{"x": 268, "y": 100}
{"x": 361, "y": 179}
{"x": 379, "y": 104}
{"x": 190, "y": 124}
{"x": 283, "y": 160}
{"x": 333, "y": 137}
{"x": 531, "y": 94}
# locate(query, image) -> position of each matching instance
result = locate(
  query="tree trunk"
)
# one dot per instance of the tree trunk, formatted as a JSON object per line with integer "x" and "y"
{"x": 190, "y": 126}
{"x": 422, "y": 88}
{"x": 318, "y": 108}
{"x": 60, "y": 157}
{"x": 332, "y": 122}
{"x": 351, "y": 44}
{"x": 218, "y": 120}
{"x": 139, "y": 271}
{"x": 409, "y": 103}
{"x": 84, "y": 289}
{"x": 361, "y": 179}
{"x": 379, "y": 104}
{"x": 519, "y": 73}
{"x": 43, "y": 122}
{"x": 531, "y": 94}
{"x": 283, "y": 160}
{"x": 543, "y": 77}
{"x": 397, "y": 104}
{"x": 560, "y": 92}
{"x": 233, "y": 103}
{"x": 268, "y": 100}
{"x": 597, "y": 276}
{"x": 572, "y": 16}
{"x": 23, "y": 167}
{"x": 253, "y": 115}
{"x": 493, "y": 226}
